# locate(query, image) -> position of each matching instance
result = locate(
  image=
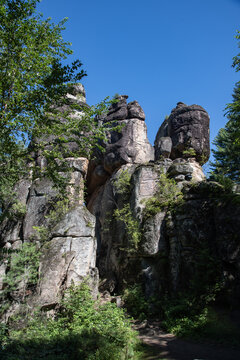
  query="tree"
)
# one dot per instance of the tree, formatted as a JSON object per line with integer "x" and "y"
{"x": 33, "y": 88}
{"x": 227, "y": 141}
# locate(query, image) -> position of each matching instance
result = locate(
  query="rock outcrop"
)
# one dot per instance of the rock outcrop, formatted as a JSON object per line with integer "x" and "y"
{"x": 188, "y": 129}
{"x": 120, "y": 231}
{"x": 62, "y": 228}
{"x": 68, "y": 257}
{"x": 130, "y": 145}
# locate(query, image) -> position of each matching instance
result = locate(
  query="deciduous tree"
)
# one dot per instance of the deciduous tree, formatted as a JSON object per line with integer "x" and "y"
{"x": 33, "y": 88}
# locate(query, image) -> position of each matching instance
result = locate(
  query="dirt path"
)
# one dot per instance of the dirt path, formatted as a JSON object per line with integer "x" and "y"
{"x": 160, "y": 345}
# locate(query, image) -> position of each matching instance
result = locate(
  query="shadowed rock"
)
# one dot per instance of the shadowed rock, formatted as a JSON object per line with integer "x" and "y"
{"x": 188, "y": 128}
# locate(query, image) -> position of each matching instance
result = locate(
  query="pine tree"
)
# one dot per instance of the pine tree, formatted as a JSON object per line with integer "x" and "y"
{"x": 227, "y": 142}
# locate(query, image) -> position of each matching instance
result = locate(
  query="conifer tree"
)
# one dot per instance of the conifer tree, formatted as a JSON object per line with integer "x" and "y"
{"x": 227, "y": 142}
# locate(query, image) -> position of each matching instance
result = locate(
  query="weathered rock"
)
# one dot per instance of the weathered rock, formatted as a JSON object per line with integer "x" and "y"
{"x": 110, "y": 232}
{"x": 171, "y": 245}
{"x": 130, "y": 146}
{"x": 3, "y": 268}
{"x": 135, "y": 111}
{"x": 78, "y": 222}
{"x": 163, "y": 147}
{"x": 153, "y": 241}
{"x": 118, "y": 110}
{"x": 77, "y": 175}
{"x": 182, "y": 170}
{"x": 77, "y": 93}
{"x": 162, "y": 131}
{"x": 42, "y": 196}
{"x": 204, "y": 230}
{"x": 10, "y": 227}
{"x": 188, "y": 127}
{"x": 97, "y": 177}
{"x": 68, "y": 257}
{"x": 145, "y": 180}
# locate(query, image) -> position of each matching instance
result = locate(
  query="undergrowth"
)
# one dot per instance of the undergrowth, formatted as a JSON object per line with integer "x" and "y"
{"x": 82, "y": 329}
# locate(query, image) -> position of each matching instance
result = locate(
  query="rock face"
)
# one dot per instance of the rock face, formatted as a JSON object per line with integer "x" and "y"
{"x": 130, "y": 145}
{"x": 188, "y": 128}
{"x": 68, "y": 257}
{"x": 194, "y": 231}
{"x": 63, "y": 229}
{"x": 121, "y": 232}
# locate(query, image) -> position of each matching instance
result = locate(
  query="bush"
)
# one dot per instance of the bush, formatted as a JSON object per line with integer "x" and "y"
{"x": 206, "y": 324}
{"x": 23, "y": 270}
{"x": 131, "y": 224}
{"x": 125, "y": 214}
{"x": 82, "y": 329}
{"x": 167, "y": 195}
{"x": 225, "y": 181}
{"x": 135, "y": 301}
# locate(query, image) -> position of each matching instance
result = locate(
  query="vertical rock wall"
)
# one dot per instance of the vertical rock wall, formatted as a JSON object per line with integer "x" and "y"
{"x": 62, "y": 229}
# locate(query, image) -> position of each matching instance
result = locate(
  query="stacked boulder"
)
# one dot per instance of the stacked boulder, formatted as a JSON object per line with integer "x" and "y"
{"x": 129, "y": 145}
{"x": 184, "y": 134}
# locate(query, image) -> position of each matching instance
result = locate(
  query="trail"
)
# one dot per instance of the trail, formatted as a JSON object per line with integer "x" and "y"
{"x": 162, "y": 346}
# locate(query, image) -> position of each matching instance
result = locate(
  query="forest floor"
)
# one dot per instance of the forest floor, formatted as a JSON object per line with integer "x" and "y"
{"x": 159, "y": 345}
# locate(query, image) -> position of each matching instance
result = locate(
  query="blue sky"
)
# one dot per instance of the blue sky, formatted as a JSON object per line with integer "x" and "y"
{"x": 158, "y": 52}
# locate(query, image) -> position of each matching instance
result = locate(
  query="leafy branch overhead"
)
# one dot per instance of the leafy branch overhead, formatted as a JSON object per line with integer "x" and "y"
{"x": 40, "y": 112}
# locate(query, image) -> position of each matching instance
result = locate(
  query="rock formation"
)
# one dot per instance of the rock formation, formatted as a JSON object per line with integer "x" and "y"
{"x": 187, "y": 128}
{"x": 128, "y": 146}
{"x": 63, "y": 230}
{"x": 84, "y": 241}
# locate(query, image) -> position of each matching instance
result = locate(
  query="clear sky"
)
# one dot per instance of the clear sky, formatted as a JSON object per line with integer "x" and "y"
{"x": 158, "y": 52}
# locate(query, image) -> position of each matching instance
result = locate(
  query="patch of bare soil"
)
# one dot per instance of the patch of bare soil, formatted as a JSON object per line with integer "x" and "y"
{"x": 160, "y": 346}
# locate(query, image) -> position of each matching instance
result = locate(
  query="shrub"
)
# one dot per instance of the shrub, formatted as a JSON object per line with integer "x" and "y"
{"x": 167, "y": 195}
{"x": 131, "y": 224}
{"x": 124, "y": 213}
{"x": 190, "y": 152}
{"x": 82, "y": 329}
{"x": 122, "y": 183}
{"x": 23, "y": 270}
{"x": 225, "y": 181}
{"x": 135, "y": 302}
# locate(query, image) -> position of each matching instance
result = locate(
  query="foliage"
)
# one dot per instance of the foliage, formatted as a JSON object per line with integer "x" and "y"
{"x": 132, "y": 225}
{"x": 187, "y": 313}
{"x": 18, "y": 210}
{"x": 135, "y": 302}
{"x": 32, "y": 78}
{"x": 189, "y": 153}
{"x": 123, "y": 185}
{"x": 208, "y": 323}
{"x": 35, "y": 105}
{"x": 227, "y": 142}
{"x": 167, "y": 195}
{"x": 123, "y": 182}
{"x": 58, "y": 210}
{"x": 226, "y": 182}
{"x": 23, "y": 269}
{"x": 82, "y": 329}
